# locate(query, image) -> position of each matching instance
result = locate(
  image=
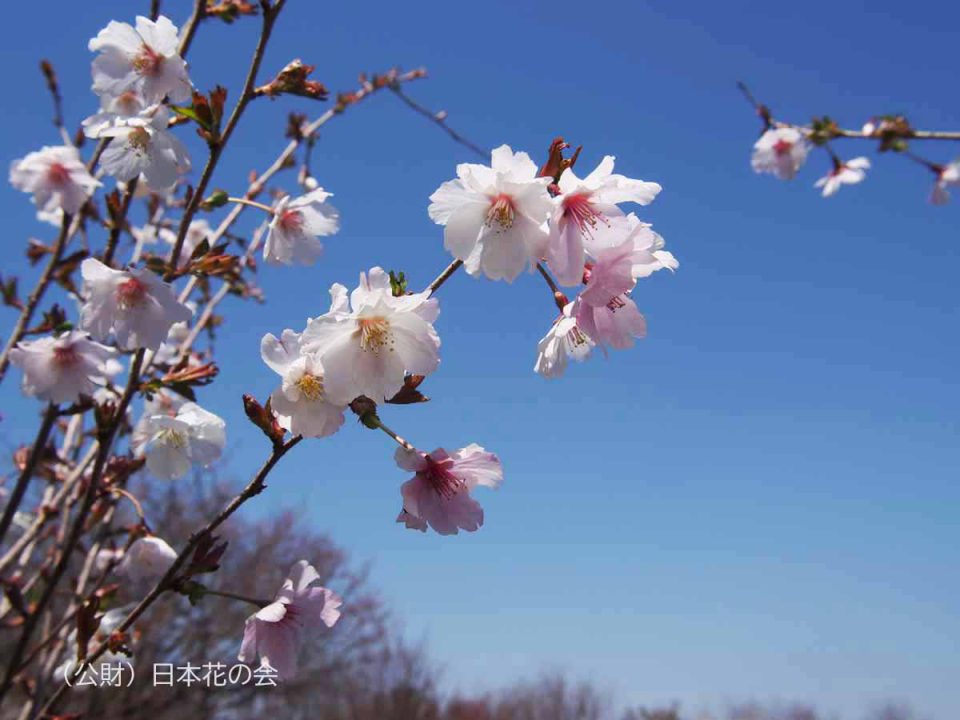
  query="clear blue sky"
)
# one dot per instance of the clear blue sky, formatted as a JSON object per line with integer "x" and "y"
{"x": 760, "y": 500}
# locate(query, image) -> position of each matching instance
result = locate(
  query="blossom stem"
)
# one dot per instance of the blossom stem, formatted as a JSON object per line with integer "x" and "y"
{"x": 254, "y": 487}
{"x": 106, "y": 437}
{"x": 252, "y": 203}
{"x": 235, "y": 596}
{"x": 399, "y": 440}
{"x": 269, "y": 15}
{"x": 138, "y": 508}
{"x": 444, "y": 276}
{"x": 549, "y": 280}
{"x": 26, "y": 314}
{"x": 36, "y": 452}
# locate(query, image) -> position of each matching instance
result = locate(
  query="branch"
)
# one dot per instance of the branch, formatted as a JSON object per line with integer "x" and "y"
{"x": 254, "y": 487}
{"x": 440, "y": 119}
{"x": 36, "y": 452}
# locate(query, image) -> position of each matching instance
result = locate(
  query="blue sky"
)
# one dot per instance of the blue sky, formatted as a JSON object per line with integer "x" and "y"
{"x": 759, "y": 500}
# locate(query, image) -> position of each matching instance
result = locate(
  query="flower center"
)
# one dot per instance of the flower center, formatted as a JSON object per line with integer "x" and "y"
{"x": 139, "y": 140}
{"x": 578, "y": 208}
{"x": 130, "y": 293}
{"x": 149, "y": 62}
{"x": 173, "y": 438}
{"x": 291, "y": 221}
{"x": 501, "y": 212}
{"x": 58, "y": 174}
{"x": 310, "y": 386}
{"x": 782, "y": 147}
{"x": 374, "y": 333}
{"x": 65, "y": 356}
{"x": 575, "y": 338}
{"x": 128, "y": 103}
{"x": 443, "y": 482}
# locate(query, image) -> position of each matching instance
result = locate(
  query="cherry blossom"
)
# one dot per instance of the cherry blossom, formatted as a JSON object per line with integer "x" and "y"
{"x": 850, "y": 172}
{"x": 300, "y": 402}
{"x": 948, "y": 175}
{"x": 780, "y": 152}
{"x": 147, "y": 559}
{"x": 136, "y": 305}
{"x": 113, "y": 108}
{"x": 57, "y": 178}
{"x": 438, "y": 494}
{"x": 565, "y": 340}
{"x": 144, "y": 59}
{"x": 295, "y": 226}
{"x": 647, "y": 254}
{"x": 63, "y": 367}
{"x": 617, "y": 323}
{"x": 276, "y": 632}
{"x": 172, "y": 444}
{"x": 142, "y": 145}
{"x": 584, "y": 206}
{"x": 494, "y": 217}
{"x": 369, "y": 343}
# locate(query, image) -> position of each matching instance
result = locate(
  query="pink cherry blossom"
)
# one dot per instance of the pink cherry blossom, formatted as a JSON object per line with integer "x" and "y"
{"x": 438, "y": 494}
{"x": 62, "y": 368}
{"x": 583, "y": 207}
{"x": 616, "y": 323}
{"x": 277, "y": 631}
{"x": 136, "y": 305}
{"x": 494, "y": 216}
{"x": 144, "y": 59}
{"x": 780, "y": 152}
{"x": 57, "y": 178}
{"x": 296, "y": 225}
{"x": 565, "y": 340}
{"x": 850, "y": 172}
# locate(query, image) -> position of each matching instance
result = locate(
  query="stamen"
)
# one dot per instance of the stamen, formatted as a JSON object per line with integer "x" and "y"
{"x": 148, "y": 62}
{"x": 616, "y": 303}
{"x": 310, "y": 386}
{"x": 501, "y": 212}
{"x": 130, "y": 293}
{"x": 139, "y": 140}
{"x": 374, "y": 333}
{"x": 171, "y": 437}
{"x": 441, "y": 479}
{"x": 291, "y": 221}
{"x": 578, "y": 209}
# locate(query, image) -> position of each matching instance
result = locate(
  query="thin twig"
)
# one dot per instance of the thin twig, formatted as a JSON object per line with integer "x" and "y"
{"x": 439, "y": 119}
{"x": 444, "y": 276}
{"x": 235, "y": 596}
{"x": 36, "y": 452}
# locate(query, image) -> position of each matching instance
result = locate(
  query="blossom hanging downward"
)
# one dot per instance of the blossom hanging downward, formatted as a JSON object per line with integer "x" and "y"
{"x": 142, "y": 145}
{"x": 584, "y": 207}
{"x": 494, "y": 216}
{"x": 296, "y": 225}
{"x": 62, "y": 368}
{"x": 368, "y": 345}
{"x": 948, "y": 175}
{"x": 300, "y": 402}
{"x": 145, "y": 60}
{"x": 57, "y": 178}
{"x": 780, "y": 152}
{"x": 438, "y": 494}
{"x": 173, "y": 443}
{"x": 136, "y": 305}
{"x": 276, "y": 632}
{"x": 565, "y": 340}
{"x": 850, "y": 172}
{"x": 147, "y": 559}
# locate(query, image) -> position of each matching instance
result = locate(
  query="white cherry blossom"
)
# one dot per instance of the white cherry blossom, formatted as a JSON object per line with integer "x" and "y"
{"x": 565, "y": 341}
{"x": 780, "y": 152}
{"x": 147, "y": 559}
{"x": 494, "y": 217}
{"x": 61, "y": 368}
{"x": 144, "y": 59}
{"x": 142, "y": 145}
{"x": 136, "y": 305}
{"x": 850, "y": 172}
{"x": 367, "y": 344}
{"x": 57, "y": 178}
{"x": 948, "y": 175}
{"x": 296, "y": 225}
{"x": 172, "y": 444}
{"x": 300, "y": 402}
{"x": 586, "y": 206}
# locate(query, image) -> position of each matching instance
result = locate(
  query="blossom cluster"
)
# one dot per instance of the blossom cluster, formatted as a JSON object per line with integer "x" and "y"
{"x": 374, "y": 344}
